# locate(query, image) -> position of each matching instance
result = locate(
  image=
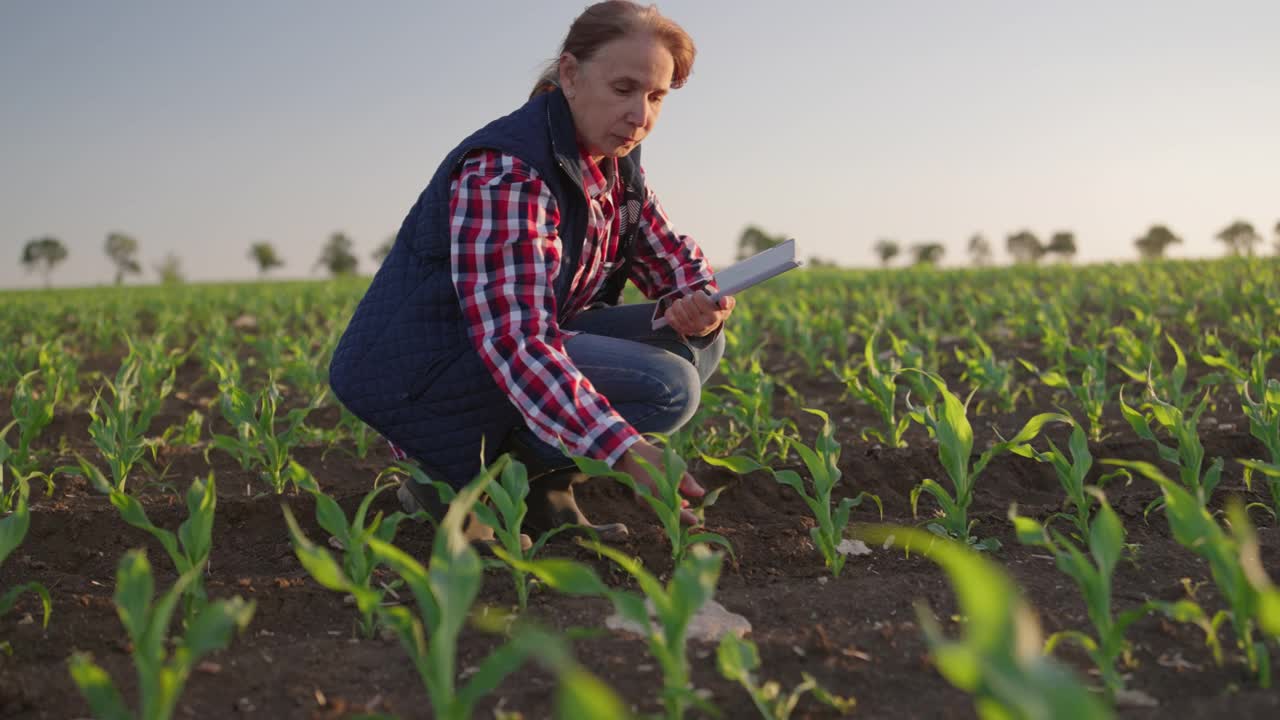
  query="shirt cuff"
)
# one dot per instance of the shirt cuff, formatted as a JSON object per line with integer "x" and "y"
{"x": 613, "y": 442}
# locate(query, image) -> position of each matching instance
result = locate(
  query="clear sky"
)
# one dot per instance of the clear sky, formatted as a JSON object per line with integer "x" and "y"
{"x": 202, "y": 127}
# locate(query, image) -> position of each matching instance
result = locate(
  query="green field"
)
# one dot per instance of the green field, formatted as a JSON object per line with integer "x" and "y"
{"x": 1090, "y": 457}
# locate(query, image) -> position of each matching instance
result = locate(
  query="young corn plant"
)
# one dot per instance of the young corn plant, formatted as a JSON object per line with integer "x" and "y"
{"x": 1264, "y": 424}
{"x": 1188, "y": 455}
{"x": 692, "y": 584}
{"x": 33, "y": 410}
{"x": 12, "y": 531}
{"x": 119, "y": 427}
{"x": 998, "y": 658}
{"x": 737, "y": 660}
{"x": 579, "y": 693}
{"x": 506, "y": 517}
{"x": 350, "y": 430}
{"x": 823, "y": 463}
{"x": 948, "y": 423}
{"x": 1092, "y": 568}
{"x": 185, "y": 435}
{"x": 988, "y": 374}
{"x": 444, "y": 592}
{"x": 1235, "y": 563}
{"x": 358, "y": 559}
{"x": 9, "y": 489}
{"x": 258, "y": 442}
{"x": 879, "y": 389}
{"x": 1171, "y": 384}
{"x": 1072, "y": 475}
{"x": 749, "y": 409}
{"x": 189, "y": 548}
{"x": 666, "y": 500}
{"x": 162, "y": 673}
{"x": 1091, "y": 392}
{"x": 908, "y": 356}
{"x": 1248, "y": 377}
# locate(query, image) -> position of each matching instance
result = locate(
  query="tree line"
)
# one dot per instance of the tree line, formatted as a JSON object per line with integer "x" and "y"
{"x": 1023, "y": 246}
{"x": 44, "y": 254}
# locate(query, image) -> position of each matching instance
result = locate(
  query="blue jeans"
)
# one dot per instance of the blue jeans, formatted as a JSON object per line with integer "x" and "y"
{"x": 653, "y": 378}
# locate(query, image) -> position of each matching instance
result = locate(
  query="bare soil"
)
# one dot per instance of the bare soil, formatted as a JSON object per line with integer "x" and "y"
{"x": 302, "y": 657}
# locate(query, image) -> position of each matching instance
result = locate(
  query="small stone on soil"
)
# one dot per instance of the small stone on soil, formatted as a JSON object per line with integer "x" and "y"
{"x": 852, "y": 547}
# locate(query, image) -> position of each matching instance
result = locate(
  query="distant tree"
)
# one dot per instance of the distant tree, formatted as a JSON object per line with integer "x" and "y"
{"x": 170, "y": 270}
{"x": 1277, "y": 234}
{"x": 123, "y": 251}
{"x": 817, "y": 262}
{"x": 336, "y": 257}
{"x": 264, "y": 253}
{"x": 1239, "y": 237}
{"x": 1024, "y": 246}
{"x": 755, "y": 240}
{"x": 887, "y": 250}
{"x": 980, "y": 250}
{"x": 382, "y": 251}
{"x": 1062, "y": 244}
{"x": 927, "y": 253}
{"x": 1152, "y": 245}
{"x": 43, "y": 254}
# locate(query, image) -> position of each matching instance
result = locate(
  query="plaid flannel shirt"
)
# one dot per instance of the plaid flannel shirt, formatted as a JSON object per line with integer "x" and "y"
{"x": 506, "y": 256}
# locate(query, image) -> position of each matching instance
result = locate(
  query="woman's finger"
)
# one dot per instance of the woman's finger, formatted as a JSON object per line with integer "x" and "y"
{"x": 690, "y": 487}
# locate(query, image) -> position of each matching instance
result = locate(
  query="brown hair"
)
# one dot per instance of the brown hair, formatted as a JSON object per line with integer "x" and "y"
{"x": 607, "y": 21}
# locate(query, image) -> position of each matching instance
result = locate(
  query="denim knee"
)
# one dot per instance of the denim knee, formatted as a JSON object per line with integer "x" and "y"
{"x": 670, "y": 409}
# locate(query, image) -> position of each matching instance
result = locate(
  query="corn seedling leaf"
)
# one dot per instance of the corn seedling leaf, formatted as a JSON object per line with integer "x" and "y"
{"x": 95, "y": 685}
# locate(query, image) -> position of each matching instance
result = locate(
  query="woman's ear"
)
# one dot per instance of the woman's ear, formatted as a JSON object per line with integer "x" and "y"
{"x": 569, "y": 74}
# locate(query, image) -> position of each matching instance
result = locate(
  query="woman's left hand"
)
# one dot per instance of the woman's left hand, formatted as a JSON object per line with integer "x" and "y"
{"x": 696, "y": 314}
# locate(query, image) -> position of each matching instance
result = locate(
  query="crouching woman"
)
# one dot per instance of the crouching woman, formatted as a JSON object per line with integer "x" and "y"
{"x": 495, "y": 321}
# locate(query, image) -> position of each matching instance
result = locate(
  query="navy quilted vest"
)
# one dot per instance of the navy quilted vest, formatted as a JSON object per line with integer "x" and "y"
{"x": 405, "y": 365}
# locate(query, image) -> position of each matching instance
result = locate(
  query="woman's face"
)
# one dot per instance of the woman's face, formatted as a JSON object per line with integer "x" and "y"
{"x": 617, "y": 94}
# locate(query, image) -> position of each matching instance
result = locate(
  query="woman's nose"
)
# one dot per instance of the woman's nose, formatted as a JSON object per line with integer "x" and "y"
{"x": 637, "y": 114}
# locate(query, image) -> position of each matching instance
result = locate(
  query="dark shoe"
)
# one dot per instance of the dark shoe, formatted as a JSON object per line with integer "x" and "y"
{"x": 412, "y": 496}
{"x": 552, "y": 504}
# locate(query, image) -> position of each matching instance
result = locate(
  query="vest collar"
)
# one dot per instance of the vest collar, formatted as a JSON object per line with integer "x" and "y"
{"x": 564, "y": 138}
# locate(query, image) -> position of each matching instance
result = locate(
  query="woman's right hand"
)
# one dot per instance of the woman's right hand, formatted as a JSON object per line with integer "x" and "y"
{"x": 652, "y": 454}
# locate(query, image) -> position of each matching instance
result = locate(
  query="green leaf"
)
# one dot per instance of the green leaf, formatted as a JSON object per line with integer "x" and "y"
{"x": 1033, "y": 427}
{"x": 316, "y": 560}
{"x": 710, "y": 538}
{"x": 492, "y": 671}
{"x": 135, "y": 589}
{"x": 583, "y": 695}
{"x": 561, "y": 574}
{"x": 14, "y": 528}
{"x": 736, "y": 464}
{"x": 214, "y": 626}
{"x": 10, "y": 598}
{"x": 95, "y": 685}
{"x": 1106, "y": 536}
{"x": 330, "y": 516}
{"x": 955, "y": 438}
{"x": 1028, "y": 530}
{"x": 196, "y": 533}
{"x": 736, "y": 658}
{"x": 132, "y": 512}
{"x": 950, "y": 507}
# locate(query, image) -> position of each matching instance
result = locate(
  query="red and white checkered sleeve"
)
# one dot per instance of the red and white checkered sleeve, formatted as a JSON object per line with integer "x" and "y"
{"x": 506, "y": 254}
{"x": 667, "y": 263}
